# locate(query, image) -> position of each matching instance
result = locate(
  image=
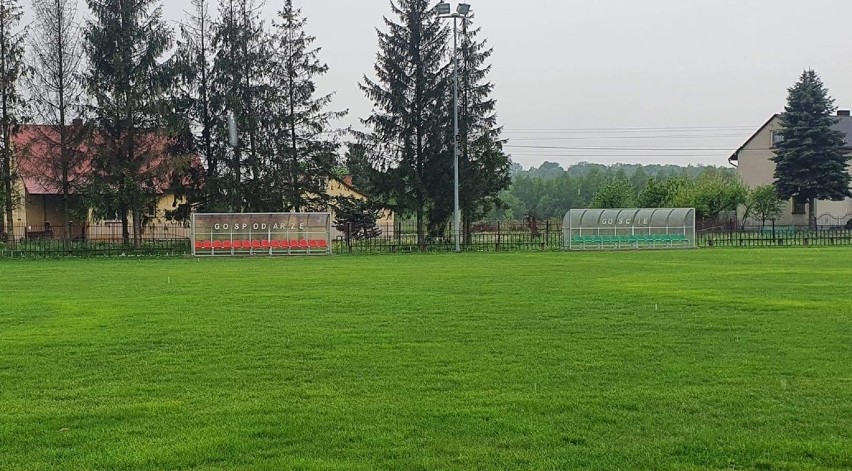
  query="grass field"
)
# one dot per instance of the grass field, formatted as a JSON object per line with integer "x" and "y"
{"x": 712, "y": 359}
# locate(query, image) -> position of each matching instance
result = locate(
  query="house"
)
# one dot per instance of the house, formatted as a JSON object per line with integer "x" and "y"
{"x": 344, "y": 188}
{"x": 40, "y": 210}
{"x": 754, "y": 163}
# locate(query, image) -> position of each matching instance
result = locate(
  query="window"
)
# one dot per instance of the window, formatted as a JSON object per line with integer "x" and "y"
{"x": 777, "y": 138}
{"x": 800, "y": 205}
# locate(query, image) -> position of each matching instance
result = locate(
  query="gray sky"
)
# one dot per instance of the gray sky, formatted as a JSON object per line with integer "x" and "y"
{"x": 587, "y": 73}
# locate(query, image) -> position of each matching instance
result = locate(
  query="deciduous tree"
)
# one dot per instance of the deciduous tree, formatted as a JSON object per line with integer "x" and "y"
{"x": 57, "y": 95}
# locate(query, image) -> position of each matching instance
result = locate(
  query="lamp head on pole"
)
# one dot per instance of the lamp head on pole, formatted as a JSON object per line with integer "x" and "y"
{"x": 443, "y": 8}
{"x": 463, "y": 9}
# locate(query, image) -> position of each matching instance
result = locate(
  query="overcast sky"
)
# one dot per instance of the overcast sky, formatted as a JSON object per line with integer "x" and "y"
{"x": 617, "y": 74}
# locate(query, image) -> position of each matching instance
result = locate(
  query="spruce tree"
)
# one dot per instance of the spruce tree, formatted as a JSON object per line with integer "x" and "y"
{"x": 306, "y": 147}
{"x": 483, "y": 166}
{"x": 241, "y": 73}
{"x": 57, "y": 96}
{"x": 195, "y": 114}
{"x": 128, "y": 82}
{"x": 408, "y": 139}
{"x": 12, "y": 70}
{"x": 811, "y": 158}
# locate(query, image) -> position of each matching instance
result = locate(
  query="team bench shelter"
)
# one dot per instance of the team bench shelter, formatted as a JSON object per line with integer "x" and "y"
{"x": 261, "y": 234}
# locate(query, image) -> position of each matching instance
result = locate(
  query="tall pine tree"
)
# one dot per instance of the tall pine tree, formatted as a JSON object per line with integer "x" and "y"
{"x": 306, "y": 147}
{"x": 483, "y": 166}
{"x": 242, "y": 87}
{"x": 408, "y": 138}
{"x": 811, "y": 159}
{"x": 195, "y": 114}
{"x": 128, "y": 82}
{"x": 12, "y": 70}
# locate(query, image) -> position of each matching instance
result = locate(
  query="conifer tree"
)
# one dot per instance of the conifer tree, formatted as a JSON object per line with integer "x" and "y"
{"x": 306, "y": 147}
{"x": 12, "y": 70}
{"x": 241, "y": 79}
{"x": 127, "y": 81}
{"x": 483, "y": 166}
{"x": 195, "y": 113}
{"x": 408, "y": 139}
{"x": 811, "y": 159}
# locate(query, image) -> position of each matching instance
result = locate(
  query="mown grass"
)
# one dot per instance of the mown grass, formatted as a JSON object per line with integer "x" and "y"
{"x": 723, "y": 359}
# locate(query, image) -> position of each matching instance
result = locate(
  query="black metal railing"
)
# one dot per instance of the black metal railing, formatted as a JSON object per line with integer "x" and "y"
{"x": 173, "y": 239}
{"x": 483, "y": 237}
{"x": 95, "y": 240}
{"x": 786, "y": 236}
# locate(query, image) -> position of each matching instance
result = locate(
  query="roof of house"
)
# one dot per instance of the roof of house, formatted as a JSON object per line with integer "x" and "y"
{"x": 844, "y": 125}
{"x": 35, "y": 148}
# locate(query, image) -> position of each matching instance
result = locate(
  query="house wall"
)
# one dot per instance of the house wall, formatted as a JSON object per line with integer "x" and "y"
{"x": 756, "y": 169}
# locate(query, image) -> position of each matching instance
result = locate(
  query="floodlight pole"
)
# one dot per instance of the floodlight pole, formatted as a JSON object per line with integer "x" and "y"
{"x": 462, "y": 13}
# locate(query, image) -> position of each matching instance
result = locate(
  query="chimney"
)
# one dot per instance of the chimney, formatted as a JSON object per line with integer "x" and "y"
{"x": 77, "y": 122}
{"x": 843, "y": 113}
{"x": 347, "y": 180}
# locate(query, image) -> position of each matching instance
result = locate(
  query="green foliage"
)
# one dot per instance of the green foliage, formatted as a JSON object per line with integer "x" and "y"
{"x": 195, "y": 116}
{"x": 712, "y": 194}
{"x": 410, "y": 130}
{"x": 12, "y": 70}
{"x": 358, "y": 166}
{"x": 344, "y": 363}
{"x": 549, "y": 191}
{"x": 483, "y": 165}
{"x": 305, "y": 145}
{"x": 616, "y": 193}
{"x": 811, "y": 160}
{"x": 127, "y": 82}
{"x": 357, "y": 219}
{"x": 242, "y": 72}
{"x": 764, "y": 203}
{"x": 655, "y": 194}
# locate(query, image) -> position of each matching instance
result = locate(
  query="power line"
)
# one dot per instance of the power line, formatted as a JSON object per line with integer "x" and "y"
{"x": 630, "y": 149}
{"x": 658, "y": 129}
{"x": 589, "y": 138}
{"x": 631, "y": 156}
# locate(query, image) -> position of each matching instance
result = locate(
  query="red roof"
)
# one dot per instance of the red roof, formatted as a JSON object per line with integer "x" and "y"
{"x": 36, "y": 148}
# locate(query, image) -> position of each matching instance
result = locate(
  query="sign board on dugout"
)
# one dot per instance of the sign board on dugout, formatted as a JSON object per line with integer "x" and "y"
{"x": 260, "y": 234}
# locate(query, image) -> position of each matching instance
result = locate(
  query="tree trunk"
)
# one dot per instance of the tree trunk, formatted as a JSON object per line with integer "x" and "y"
{"x": 125, "y": 227}
{"x": 421, "y": 235}
{"x": 137, "y": 228}
{"x": 812, "y": 219}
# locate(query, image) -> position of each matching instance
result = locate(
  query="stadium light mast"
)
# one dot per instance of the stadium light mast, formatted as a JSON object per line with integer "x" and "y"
{"x": 445, "y": 12}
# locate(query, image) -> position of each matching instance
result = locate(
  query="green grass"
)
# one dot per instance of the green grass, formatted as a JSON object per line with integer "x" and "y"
{"x": 713, "y": 359}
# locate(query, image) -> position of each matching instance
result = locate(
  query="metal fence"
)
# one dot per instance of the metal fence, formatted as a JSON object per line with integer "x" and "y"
{"x": 483, "y": 237}
{"x": 95, "y": 240}
{"x": 174, "y": 239}
{"x": 777, "y": 237}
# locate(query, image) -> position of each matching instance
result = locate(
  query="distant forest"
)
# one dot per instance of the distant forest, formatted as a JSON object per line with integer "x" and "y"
{"x": 548, "y": 191}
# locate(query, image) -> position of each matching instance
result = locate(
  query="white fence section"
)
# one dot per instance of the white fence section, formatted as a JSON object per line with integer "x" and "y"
{"x": 261, "y": 234}
{"x": 653, "y": 228}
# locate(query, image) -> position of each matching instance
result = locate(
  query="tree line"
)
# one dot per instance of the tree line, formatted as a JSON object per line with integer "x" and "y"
{"x": 226, "y": 110}
{"x": 548, "y": 191}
